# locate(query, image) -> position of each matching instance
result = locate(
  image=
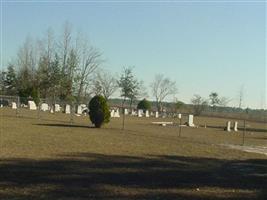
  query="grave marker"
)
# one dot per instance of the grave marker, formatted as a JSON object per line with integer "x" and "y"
{"x": 191, "y": 121}
{"x": 235, "y": 126}
{"x": 14, "y": 105}
{"x": 32, "y": 105}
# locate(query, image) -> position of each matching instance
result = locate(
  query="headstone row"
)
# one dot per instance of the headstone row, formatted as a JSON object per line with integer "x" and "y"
{"x": 228, "y": 126}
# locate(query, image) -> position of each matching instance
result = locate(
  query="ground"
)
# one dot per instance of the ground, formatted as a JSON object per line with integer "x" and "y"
{"x": 50, "y": 158}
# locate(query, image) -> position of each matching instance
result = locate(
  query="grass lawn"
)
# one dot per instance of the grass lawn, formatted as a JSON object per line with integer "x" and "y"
{"x": 49, "y": 158}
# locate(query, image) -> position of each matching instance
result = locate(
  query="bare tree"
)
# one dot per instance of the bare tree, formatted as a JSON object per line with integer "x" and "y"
{"x": 89, "y": 60}
{"x": 199, "y": 104}
{"x": 224, "y": 101}
{"x": 161, "y": 88}
{"x": 65, "y": 45}
{"x": 241, "y": 96}
{"x": 105, "y": 84}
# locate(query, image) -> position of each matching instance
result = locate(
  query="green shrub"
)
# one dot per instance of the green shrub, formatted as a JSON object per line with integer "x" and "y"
{"x": 144, "y": 105}
{"x": 99, "y": 111}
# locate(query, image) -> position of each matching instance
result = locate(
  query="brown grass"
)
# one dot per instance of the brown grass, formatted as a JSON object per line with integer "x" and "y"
{"x": 49, "y": 158}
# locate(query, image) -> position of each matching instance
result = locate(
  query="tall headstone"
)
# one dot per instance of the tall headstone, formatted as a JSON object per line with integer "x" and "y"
{"x": 228, "y": 126}
{"x": 44, "y": 107}
{"x": 126, "y": 111}
{"x": 14, "y": 105}
{"x": 32, "y": 105}
{"x": 79, "y": 109}
{"x": 140, "y": 113}
{"x": 57, "y": 107}
{"x": 147, "y": 113}
{"x": 235, "y": 126}
{"x": 112, "y": 113}
{"x": 191, "y": 121}
{"x": 67, "y": 109}
{"x": 157, "y": 114}
{"x": 179, "y": 116}
{"x": 117, "y": 113}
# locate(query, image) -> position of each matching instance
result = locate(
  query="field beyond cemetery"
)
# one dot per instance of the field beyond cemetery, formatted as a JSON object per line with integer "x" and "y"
{"x": 50, "y": 158}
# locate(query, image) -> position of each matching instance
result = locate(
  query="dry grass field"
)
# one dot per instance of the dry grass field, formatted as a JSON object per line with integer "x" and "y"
{"x": 50, "y": 158}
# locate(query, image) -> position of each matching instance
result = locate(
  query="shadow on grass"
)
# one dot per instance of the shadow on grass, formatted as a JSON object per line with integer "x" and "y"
{"x": 98, "y": 176}
{"x": 66, "y": 125}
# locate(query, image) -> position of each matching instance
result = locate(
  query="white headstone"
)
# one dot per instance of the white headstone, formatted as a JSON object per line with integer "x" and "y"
{"x": 191, "y": 121}
{"x": 51, "y": 110}
{"x": 147, "y": 113}
{"x": 180, "y": 116}
{"x": 157, "y": 114}
{"x": 117, "y": 113}
{"x": 228, "y": 126}
{"x": 84, "y": 108}
{"x": 112, "y": 112}
{"x": 140, "y": 113}
{"x": 79, "y": 110}
{"x": 235, "y": 126}
{"x": 133, "y": 113}
{"x": 126, "y": 111}
{"x": 67, "y": 109}
{"x": 57, "y": 107}
{"x": 32, "y": 105}
{"x": 44, "y": 107}
{"x": 14, "y": 105}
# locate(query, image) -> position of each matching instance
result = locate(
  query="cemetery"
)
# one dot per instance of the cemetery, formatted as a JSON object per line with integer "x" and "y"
{"x": 146, "y": 145}
{"x": 133, "y": 100}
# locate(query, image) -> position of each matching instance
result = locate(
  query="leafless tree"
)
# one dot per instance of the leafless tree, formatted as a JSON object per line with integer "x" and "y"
{"x": 224, "y": 101}
{"x": 199, "y": 104}
{"x": 65, "y": 45}
{"x": 89, "y": 59}
{"x": 161, "y": 88}
{"x": 241, "y": 96}
{"x": 104, "y": 83}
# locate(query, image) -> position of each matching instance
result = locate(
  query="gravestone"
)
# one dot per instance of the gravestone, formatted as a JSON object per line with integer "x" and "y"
{"x": 228, "y": 126}
{"x": 190, "y": 121}
{"x": 140, "y": 113}
{"x": 235, "y": 126}
{"x": 51, "y": 110}
{"x": 147, "y": 113}
{"x": 32, "y": 105}
{"x": 133, "y": 113}
{"x": 57, "y": 108}
{"x": 179, "y": 116}
{"x": 126, "y": 111}
{"x": 14, "y": 105}
{"x": 112, "y": 112}
{"x": 157, "y": 114}
{"x": 79, "y": 109}
{"x": 117, "y": 113}
{"x": 44, "y": 107}
{"x": 67, "y": 109}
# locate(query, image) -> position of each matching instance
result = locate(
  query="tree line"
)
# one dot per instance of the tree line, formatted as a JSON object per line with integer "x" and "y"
{"x": 66, "y": 67}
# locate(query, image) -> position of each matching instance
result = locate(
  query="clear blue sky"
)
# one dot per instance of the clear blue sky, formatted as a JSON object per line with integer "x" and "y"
{"x": 204, "y": 47}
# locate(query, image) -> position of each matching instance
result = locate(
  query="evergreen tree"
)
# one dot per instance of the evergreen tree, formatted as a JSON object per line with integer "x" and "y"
{"x": 10, "y": 81}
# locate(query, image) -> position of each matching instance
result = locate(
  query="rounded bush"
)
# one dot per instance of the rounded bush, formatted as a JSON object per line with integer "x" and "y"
{"x": 99, "y": 111}
{"x": 144, "y": 105}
